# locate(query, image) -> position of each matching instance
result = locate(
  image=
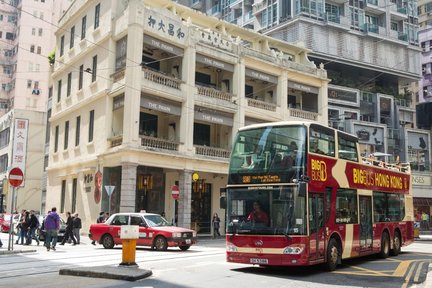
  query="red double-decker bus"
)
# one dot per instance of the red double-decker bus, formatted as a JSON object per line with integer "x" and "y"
{"x": 301, "y": 194}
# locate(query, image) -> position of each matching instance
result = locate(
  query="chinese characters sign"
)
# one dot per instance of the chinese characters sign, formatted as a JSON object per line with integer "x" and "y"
{"x": 19, "y": 150}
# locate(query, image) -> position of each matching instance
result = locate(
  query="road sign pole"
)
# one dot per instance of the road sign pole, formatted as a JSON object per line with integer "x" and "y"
{"x": 11, "y": 225}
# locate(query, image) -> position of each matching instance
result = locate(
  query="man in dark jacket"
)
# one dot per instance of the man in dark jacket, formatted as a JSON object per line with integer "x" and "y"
{"x": 33, "y": 225}
{"x": 77, "y": 227}
{"x": 69, "y": 230}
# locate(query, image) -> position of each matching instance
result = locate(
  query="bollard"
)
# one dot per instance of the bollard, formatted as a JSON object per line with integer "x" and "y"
{"x": 128, "y": 236}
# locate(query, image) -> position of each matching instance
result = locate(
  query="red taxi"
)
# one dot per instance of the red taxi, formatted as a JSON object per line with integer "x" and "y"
{"x": 154, "y": 231}
{"x": 5, "y": 221}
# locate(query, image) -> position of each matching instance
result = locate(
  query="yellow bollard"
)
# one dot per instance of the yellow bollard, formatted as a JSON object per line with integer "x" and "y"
{"x": 128, "y": 252}
{"x": 129, "y": 235}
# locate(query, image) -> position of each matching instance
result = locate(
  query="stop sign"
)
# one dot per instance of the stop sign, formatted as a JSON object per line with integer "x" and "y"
{"x": 175, "y": 192}
{"x": 16, "y": 177}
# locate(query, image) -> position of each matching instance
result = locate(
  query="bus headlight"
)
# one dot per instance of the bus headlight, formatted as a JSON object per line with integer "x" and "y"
{"x": 294, "y": 249}
{"x": 231, "y": 248}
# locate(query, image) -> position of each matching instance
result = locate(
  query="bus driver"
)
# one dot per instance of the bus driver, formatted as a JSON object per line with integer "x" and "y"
{"x": 258, "y": 215}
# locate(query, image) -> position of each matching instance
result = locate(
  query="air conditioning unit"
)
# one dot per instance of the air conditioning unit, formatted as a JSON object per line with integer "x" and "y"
{"x": 36, "y": 92}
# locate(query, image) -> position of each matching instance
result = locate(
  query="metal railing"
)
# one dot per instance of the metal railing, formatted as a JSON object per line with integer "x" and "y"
{"x": 303, "y": 114}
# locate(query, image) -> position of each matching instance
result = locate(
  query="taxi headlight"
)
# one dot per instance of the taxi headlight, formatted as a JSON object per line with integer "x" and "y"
{"x": 294, "y": 249}
{"x": 177, "y": 235}
{"x": 194, "y": 233}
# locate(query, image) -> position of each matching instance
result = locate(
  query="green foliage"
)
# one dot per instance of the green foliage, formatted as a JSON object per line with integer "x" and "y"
{"x": 51, "y": 57}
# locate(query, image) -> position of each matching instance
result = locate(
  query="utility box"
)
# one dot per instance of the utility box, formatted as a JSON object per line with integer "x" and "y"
{"x": 129, "y": 232}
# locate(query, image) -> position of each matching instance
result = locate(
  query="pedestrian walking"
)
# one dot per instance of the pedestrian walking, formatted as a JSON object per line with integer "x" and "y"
{"x": 69, "y": 230}
{"x": 18, "y": 227}
{"x": 77, "y": 225}
{"x": 100, "y": 219}
{"x": 52, "y": 226}
{"x": 33, "y": 225}
{"x": 24, "y": 227}
{"x": 216, "y": 225}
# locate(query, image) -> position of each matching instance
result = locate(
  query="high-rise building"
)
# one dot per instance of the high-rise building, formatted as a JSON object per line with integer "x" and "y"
{"x": 370, "y": 49}
{"x": 26, "y": 39}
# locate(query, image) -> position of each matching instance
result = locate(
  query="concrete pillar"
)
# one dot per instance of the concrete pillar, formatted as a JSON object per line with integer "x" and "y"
{"x": 238, "y": 88}
{"x": 133, "y": 73}
{"x": 185, "y": 200}
{"x": 128, "y": 187}
{"x": 187, "y": 116}
{"x": 282, "y": 92}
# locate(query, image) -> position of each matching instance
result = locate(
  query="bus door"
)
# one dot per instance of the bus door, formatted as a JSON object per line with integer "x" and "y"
{"x": 316, "y": 227}
{"x": 365, "y": 222}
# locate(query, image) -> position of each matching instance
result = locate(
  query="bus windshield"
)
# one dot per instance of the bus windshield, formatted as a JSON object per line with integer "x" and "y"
{"x": 268, "y": 154}
{"x": 278, "y": 210}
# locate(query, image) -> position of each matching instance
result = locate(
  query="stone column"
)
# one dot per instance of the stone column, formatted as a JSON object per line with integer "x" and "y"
{"x": 238, "y": 88}
{"x": 128, "y": 187}
{"x": 185, "y": 200}
{"x": 282, "y": 92}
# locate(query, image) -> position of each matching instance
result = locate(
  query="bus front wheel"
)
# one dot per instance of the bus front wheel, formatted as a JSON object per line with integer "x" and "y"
{"x": 385, "y": 245}
{"x": 332, "y": 255}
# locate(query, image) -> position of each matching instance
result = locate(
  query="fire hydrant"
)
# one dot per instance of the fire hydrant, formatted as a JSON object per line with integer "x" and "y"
{"x": 129, "y": 235}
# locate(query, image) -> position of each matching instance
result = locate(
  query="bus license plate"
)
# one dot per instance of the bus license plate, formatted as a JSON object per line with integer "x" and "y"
{"x": 258, "y": 261}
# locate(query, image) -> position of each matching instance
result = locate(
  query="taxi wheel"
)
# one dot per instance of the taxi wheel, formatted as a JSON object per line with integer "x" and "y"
{"x": 160, "y": 243}
{"x": 385, "y": 246}
{"x": 107, "y": 241}
{"x": 184, "y": 248}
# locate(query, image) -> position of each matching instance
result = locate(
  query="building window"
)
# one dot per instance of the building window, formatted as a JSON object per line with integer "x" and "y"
{"x": 39, "y": 50}
{"x": 4, "y": 137}
{"x": 94, "y": 68}
{"x": 59, "y": 84}
{"x": 33, "y": 31}
{"x": 40, "y": 31}
{"x": 48, "y": 128}
{"x": 29, "y": 83}
{"x": 74, "y": 194}
{"x": 69, "y": 84}
{"x": 32, "y": 48}
{"x": 91, "y": 126}
{"x": 77, "y": 130}
{"x": 10, "y": 36}
{"x": 62, "y": 46}
{"x": 63, "y": 196}
{"x": 97, "y": 14}
{"x": 83, "y": 27}
{"x": 80, "y": 77}
{"x": 56, "y": 136}
{"x": 36, "y": 85}
{"x": 50, "y": 92}
{"x": 66, "y": 135}
{"x": 3, "y": 162}
{"x": 72, "y": 37}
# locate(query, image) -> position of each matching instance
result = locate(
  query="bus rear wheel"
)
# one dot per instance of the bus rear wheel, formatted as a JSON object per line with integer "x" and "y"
{"x": 396, "y": 244}
{"x": 385, "y": 246}
{"x": 332, "y": 255}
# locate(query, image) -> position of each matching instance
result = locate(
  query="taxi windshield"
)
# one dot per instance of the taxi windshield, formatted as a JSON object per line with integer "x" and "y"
{"x": 156, "y": 220}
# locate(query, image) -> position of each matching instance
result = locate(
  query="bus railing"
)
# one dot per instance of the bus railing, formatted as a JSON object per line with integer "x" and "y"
{"x": 401, "y": 167}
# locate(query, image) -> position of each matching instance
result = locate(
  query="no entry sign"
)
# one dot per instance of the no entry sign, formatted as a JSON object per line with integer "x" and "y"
{"x": 175, "y": 192}
{"x": 16, "y": 177}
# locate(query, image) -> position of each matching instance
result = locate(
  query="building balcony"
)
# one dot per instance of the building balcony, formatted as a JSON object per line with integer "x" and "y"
{"x": 214, "y": 11}
{"x": 376, "y": 7}
{"x": 235, "y": 4}
{"x": 161, "y": 78}
{"x": 261, "y": 105}
{"x": 212, "y": 151}
{"x": 302, "y": 114}
{"x": 159, "y": 143}
{"x": 258, "y": 8}
{"x": 398, "y": 13}
{"x": 370, "y": 28}
{"x": 196, "y": 4}
{"x": 214, "y": 93}
{"x": 337, "y": 21}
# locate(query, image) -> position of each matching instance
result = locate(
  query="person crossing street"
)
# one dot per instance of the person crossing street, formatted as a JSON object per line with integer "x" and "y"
{"x": 69, "y": 230}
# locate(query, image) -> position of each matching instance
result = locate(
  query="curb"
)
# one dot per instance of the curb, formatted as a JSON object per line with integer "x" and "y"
{"x": 9, "y": 252}
{"x": 131, "y": 273}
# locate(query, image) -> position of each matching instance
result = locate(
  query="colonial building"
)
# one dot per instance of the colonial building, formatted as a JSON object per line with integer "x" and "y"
{"x": 151, "y": 96}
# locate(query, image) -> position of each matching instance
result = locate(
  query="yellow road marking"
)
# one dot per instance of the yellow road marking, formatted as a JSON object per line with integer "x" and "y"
{"x": 365, "y": 271}
{"x": 408, "y": 277}
{"x": 402, "y": 268}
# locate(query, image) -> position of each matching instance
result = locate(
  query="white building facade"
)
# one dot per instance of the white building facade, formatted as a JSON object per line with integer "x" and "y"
{"x": 152, "y": 95}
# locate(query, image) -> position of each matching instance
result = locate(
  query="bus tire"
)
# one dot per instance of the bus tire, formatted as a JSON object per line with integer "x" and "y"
{"x": 397, "y": 243}
{"x": 385, "y": 245}
{"x": 332, "y": 255}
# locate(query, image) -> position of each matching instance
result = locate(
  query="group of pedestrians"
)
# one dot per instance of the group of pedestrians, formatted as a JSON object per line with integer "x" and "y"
{"x": 73, "y": 227}
{"x": 26, "y": 228}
